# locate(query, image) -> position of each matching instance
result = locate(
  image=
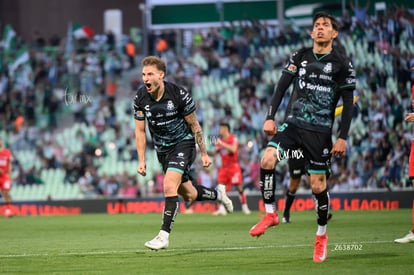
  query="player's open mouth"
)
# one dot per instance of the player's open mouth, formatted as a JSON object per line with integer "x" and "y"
{"x": 148, "y": 85}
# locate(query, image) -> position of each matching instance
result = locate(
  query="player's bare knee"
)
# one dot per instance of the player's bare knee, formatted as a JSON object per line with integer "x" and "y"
{"x": 269, "y": 158}
{"x": 170, "y": 190}
{"x": 318, "y": 183}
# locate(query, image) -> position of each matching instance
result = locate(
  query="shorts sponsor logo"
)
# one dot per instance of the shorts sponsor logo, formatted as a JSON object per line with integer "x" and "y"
{"x": 297, "y": 172}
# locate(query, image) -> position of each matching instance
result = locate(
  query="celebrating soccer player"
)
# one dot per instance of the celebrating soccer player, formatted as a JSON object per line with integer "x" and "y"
{"x": 321, "y": 76}
{"x": 172, "y": 121}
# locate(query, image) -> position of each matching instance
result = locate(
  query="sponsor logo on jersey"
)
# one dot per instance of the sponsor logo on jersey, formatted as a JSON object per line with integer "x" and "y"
{"x": 326, "y": 77}
{"x": 317, "y": 87}
{"x": 302, "y": 84}
{"x": 187, "y": 98}
{"x": 171, "y": 113}
{"x": 350, "y": 80}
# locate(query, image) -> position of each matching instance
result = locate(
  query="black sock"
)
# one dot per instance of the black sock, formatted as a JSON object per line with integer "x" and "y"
{"x": 267, "y": 185}
{"x": 205, "y": 194}
{"x": 322, "y": 206}
{"x": 170, "y": 212}
{"x": 290, "y": 197}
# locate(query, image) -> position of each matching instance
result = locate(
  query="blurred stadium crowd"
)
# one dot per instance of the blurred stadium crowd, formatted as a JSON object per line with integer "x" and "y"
{"x": 66, "y": 114}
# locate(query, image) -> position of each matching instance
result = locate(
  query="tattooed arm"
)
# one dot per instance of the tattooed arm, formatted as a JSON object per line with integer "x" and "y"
{"x": 191, "y": 119}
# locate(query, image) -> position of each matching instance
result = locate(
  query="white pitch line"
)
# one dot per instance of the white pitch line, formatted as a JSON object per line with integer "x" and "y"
{"x": 86, "y": 253}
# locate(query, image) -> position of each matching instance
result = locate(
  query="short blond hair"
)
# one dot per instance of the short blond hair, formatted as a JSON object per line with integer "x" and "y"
{"x": 154, "y": 61}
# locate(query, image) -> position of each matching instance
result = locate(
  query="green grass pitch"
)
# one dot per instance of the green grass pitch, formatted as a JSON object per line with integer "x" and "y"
{"x": 360, "y": 242}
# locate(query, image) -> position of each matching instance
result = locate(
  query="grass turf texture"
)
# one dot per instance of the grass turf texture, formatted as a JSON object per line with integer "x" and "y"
{"x": 360, "y": 242}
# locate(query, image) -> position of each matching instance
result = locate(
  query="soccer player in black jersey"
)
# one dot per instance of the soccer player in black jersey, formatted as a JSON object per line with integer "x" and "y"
{"x": 172, "y": 122}
{"x": 321, "y": 76}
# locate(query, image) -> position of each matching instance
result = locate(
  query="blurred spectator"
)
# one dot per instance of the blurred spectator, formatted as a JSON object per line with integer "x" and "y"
{"x": 129, "y": 189}
{"x": 130, "y": 51}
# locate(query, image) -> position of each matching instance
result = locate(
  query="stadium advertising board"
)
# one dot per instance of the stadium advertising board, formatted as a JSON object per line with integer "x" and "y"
{"x": 303, "y": 202}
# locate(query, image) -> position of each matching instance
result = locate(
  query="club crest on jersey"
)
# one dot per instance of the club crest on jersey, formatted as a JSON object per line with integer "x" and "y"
{"x": 170, "y": 105}
{"x": 328, "y": 68}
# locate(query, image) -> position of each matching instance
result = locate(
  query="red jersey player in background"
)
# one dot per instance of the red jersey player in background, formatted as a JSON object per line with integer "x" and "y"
{"x": 410, "y": 118}
{"x": 5, "y": 178}
{"x": 230, "y": 173}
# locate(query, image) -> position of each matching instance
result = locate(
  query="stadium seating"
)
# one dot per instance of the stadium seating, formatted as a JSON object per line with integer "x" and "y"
{"x": 73, "y": 138}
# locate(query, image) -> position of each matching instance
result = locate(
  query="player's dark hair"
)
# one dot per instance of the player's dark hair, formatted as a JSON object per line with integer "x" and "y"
{"x": 322, "y": 14}
{"x": 154, "y": 61}
{"x": 225, "y": 124}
